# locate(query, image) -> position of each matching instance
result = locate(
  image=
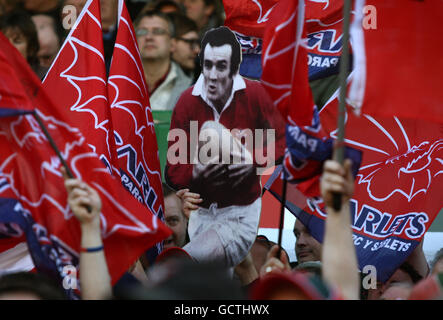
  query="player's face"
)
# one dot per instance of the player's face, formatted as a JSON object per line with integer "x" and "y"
{"x": 216, "y": 73}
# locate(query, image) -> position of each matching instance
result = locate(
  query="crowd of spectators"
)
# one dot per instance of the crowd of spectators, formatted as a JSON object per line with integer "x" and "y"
{"x": 169, "y": 35}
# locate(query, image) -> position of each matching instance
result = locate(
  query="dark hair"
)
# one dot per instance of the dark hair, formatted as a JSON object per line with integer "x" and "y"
{"x": 34, "y": 283}
{"x": 156, "y": 13}
{"x": 21, "y": 20}
{"x": 56, "y": 27}
{"x": 183, "y": 279}
{"x": 410, "y": 270}
{"x": 167, "y": 191}
{"x": 164, "y": 3}
{"x": 182, "y": 24}
{"x": 218, "y": 37}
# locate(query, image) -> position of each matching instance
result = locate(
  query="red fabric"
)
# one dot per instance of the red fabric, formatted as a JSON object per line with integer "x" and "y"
{"x": 250, "y": 108}
{"x": 285, "y": 65}
{"x": 429, "y": 288}
{"x": 404, "y": 64}
{"x": 248, "y": 17}
{"x": 11, "y": 94}
{"x": 32, "y": 170}
{"x": 136, "y": 147}
{"x": 77, "y": 81}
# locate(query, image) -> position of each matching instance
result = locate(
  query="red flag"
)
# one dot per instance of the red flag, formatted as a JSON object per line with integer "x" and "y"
{"x": 285, "y": 62}
{"x": 324, "y": 28}
{"x": 136, "y": 142}
{"x": 248, "y": 17}
{"x": 77, "y": 81}
{"x": 401, "y": 52}
{"x": 32, "y": 171}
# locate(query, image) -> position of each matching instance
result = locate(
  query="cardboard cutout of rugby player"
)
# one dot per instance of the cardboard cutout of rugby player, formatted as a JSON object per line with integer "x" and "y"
{"x": 224, "y": 133}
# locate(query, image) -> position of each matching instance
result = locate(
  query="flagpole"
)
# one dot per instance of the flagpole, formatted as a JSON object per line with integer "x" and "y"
{"x": 54, "y": 147}
{"x": 282, "y": 213}
{"x": 52, "y": 143}
{"x": 344, "y": 66}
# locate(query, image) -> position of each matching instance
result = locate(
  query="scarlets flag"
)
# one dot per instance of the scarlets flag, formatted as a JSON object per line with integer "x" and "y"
{"x": 398, "y": 186}
{"x": 136, "y": 142}
{"x": 247, "y": 19}
{"x": 324, "y": 36}
{"x": 401, "y": 54}
{"x": 285, "y": 63}
{"x": 30, "y": 174}
{"x": 77, "y": 81}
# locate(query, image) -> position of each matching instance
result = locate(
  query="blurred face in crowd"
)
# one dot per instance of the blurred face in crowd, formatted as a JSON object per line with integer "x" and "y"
{"x": 108, "y": 11}
{"x": 259, "y": 252}
{"x": 216, "y": 73}
{"x": 6, "y": 6}
{"x": 438, "y": 267}
{"x": 40, "y": 5}
{"x": 18, "y": 40}
{"x": 198, "y": 11}
{"x": 78, "y": 4}
{"x": 154, "y": 39}
{"x": 176, "y": 221}
{"x": 398, "y": 286}
{"x": 306, "y": 247}
{"x": 186, "y": 50}
{"x": 47, "y": 38}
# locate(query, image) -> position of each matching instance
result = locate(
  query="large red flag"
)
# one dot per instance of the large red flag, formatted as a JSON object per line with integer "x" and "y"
{"x": 397, "y": 188}
{"x": 401, "y": 54}
{"x": 285, "y": 62}
{"x": 32, "y": 171}
{"x": 136, "y": 142}
{"x": 77, "y": 81}
{"x": 248, "y": 17}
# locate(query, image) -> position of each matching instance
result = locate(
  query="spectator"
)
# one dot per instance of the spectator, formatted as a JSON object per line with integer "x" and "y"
{"x": 175, "y": 219}
{"x": 109, "y": 11}
{"x": 18, "y": 27}
{"x": 307, "y": 248}
{"x": 398, "y": 286}
{"x": 187, "y": 46}
{"x": 186, "y": 280}
{"x": 410, "y": 272}
{"x": 8, "y": 6}
{"x": 29, "y": 286}
{"x": 205, "y": 13}
{"x": 165, "y": 79}
{"x": 168, "y": 6}
{"x": 226, "y": 219}
{"x": 77, "y": 4}
{"x": 339, "y": 258}
{"x": 437, "y": 263}
{"x": 49, "y": 40}
{"x": 340, "y": 278}
{"x": 73, "y": 12}
{"x": 52, "y": 8}
{"x": 259, "y": 251}
{"x": 85, "y": 204}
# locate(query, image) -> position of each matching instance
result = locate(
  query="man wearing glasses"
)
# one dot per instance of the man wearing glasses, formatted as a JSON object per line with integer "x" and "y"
{"x": 187, "y": 45}
{"x": 165, "y": 79}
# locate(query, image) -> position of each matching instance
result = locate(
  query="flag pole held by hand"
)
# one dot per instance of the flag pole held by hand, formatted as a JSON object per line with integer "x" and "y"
{"x": 344, "y": 66}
